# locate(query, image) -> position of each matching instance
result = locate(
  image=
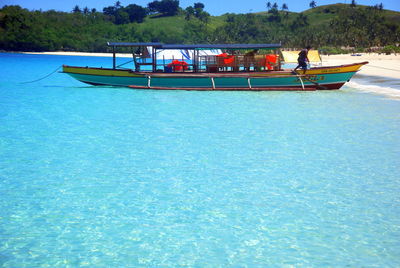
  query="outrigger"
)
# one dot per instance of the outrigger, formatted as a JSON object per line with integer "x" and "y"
{"x": 252, "y": 67}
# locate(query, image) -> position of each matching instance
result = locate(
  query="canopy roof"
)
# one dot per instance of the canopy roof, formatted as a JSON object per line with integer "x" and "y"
{"x": 127, "y": 44}
{"x": 196, "y": 46}
{"x": 221, "y": 46}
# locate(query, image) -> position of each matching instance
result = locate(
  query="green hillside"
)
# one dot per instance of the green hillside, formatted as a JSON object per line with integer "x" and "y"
{"x": 329, "y": 27}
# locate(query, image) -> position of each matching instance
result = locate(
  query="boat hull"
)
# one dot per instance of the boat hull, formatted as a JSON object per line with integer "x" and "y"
{"x": 313, "y": 79}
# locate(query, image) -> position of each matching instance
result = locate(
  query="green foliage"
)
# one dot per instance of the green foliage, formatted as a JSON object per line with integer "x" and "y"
{"x": 165, "y": 7}
{"x": 123, "y": 15}
{"x": 390, "y": 49}
{"x": 325, "y": 27}
{"x": 136, "y": 13}
{"x": 197, "y": 11}
{"x": 362, "y": 27}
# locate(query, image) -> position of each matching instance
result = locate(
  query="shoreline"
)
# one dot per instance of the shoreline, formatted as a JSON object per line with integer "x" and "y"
{"x": 82, "y": 54}
{"x": 379, "y": 64}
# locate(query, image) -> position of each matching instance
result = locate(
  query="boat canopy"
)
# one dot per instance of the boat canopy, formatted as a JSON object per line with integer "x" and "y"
{"x": 128, "y": 44}
{"x": 221, "y": 46}
{"x": 195, "y": 46}
{"x": 183, "y": 54}
{"x": 207, "y": 57}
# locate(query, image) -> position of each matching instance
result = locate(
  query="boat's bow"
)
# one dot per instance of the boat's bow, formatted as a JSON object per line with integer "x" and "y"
{"x": 346, "y": 68}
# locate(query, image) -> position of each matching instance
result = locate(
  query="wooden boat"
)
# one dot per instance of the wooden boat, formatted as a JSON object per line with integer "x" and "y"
{"x": 261, "y": 69}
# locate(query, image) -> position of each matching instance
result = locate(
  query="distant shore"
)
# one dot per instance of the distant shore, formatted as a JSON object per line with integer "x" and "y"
{"x": 93, "y": 54}
{"x": 379, "y": 64}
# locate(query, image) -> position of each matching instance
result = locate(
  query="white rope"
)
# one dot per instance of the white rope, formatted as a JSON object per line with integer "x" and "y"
{"x": 369, "y": 65}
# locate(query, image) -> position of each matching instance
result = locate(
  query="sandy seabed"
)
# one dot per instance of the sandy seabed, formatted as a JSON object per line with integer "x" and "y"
{"x": 379, "y": 64}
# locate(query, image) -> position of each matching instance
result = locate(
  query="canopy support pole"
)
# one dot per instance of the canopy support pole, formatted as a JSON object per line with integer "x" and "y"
{"x": 154, "y": 59}
{"x": 248, "y": 82}
{"x": 149, "y": 81}
{"x": 114, "y": 60}
{"x": 212, "y": 81}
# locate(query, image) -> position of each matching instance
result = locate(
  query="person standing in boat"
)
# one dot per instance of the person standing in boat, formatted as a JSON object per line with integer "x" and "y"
{"x": 303, "y": 59}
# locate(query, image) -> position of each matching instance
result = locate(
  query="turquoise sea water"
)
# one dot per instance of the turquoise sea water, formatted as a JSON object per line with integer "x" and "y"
{"x": 113, "y": 177}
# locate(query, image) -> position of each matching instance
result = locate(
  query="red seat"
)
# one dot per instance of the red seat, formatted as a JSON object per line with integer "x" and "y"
{"x": 178, "y": 65}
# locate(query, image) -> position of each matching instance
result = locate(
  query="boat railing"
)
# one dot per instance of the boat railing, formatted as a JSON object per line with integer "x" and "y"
{"x": 213, "y": 63}
{"x": 235, "y": 63}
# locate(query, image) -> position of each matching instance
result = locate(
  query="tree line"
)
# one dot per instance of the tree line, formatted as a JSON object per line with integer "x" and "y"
{"x": 164, "y": 21}
{"x": 119, "y": 14}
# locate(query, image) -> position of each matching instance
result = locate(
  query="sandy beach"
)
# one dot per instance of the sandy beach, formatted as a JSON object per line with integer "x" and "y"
{"x": 379, "y": 64}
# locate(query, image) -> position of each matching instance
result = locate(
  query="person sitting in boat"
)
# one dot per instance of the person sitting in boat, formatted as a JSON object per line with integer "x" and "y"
{"x": 303, "y": 59}
{"x": 249, "y": 59}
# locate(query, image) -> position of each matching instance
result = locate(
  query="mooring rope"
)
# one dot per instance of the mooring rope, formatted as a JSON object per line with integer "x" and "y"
{"x": 124, "y": 63}
{"x": 382, "y": 68}
{"x": 28, "y": 82}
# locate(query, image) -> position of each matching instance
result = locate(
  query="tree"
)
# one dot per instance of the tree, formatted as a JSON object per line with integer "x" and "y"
{"x": 121, "y": 16}
{"x": 198, "y": 5}
{"x": 170, "y": 7}
{"x": 204, "y": 17}
{"x": 24, "y": 30}
{"x": 313, "y": 4}
{"x": 269, "y": 5}
{"x": 109, "y": 11}
{"x": 353, "y": 3}
{"x": 189, "y": 12}
{"x": 165, "y": 7}
{"x": 284, "y": 7}
{"x": 76, "y": 9}
{"x": 153, "y": 7}
{"x": 300, "y": 21}
{"x": 136, "y": 13}
{"x": 197, "y": 11}
{"x": 275, "y": 16}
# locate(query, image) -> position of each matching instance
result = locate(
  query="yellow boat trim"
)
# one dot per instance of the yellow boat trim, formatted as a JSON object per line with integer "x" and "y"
{"x": 128, "y": 73}
{"x": 100, "y": 71}
{"x": 337, "y": 69}
{"x": 322, "y": 70}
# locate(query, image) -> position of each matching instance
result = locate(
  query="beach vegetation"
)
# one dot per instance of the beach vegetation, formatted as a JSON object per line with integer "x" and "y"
{"x": 332, "y": 28}
{"x": 164, "y": 7}
{"x": 390, "y": 49}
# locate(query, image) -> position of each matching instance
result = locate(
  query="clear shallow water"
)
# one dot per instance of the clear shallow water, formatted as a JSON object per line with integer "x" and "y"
{"x": 111, "y": 177}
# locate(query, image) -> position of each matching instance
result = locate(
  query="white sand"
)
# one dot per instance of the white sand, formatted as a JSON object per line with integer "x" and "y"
{"x": 379, "y": 64}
